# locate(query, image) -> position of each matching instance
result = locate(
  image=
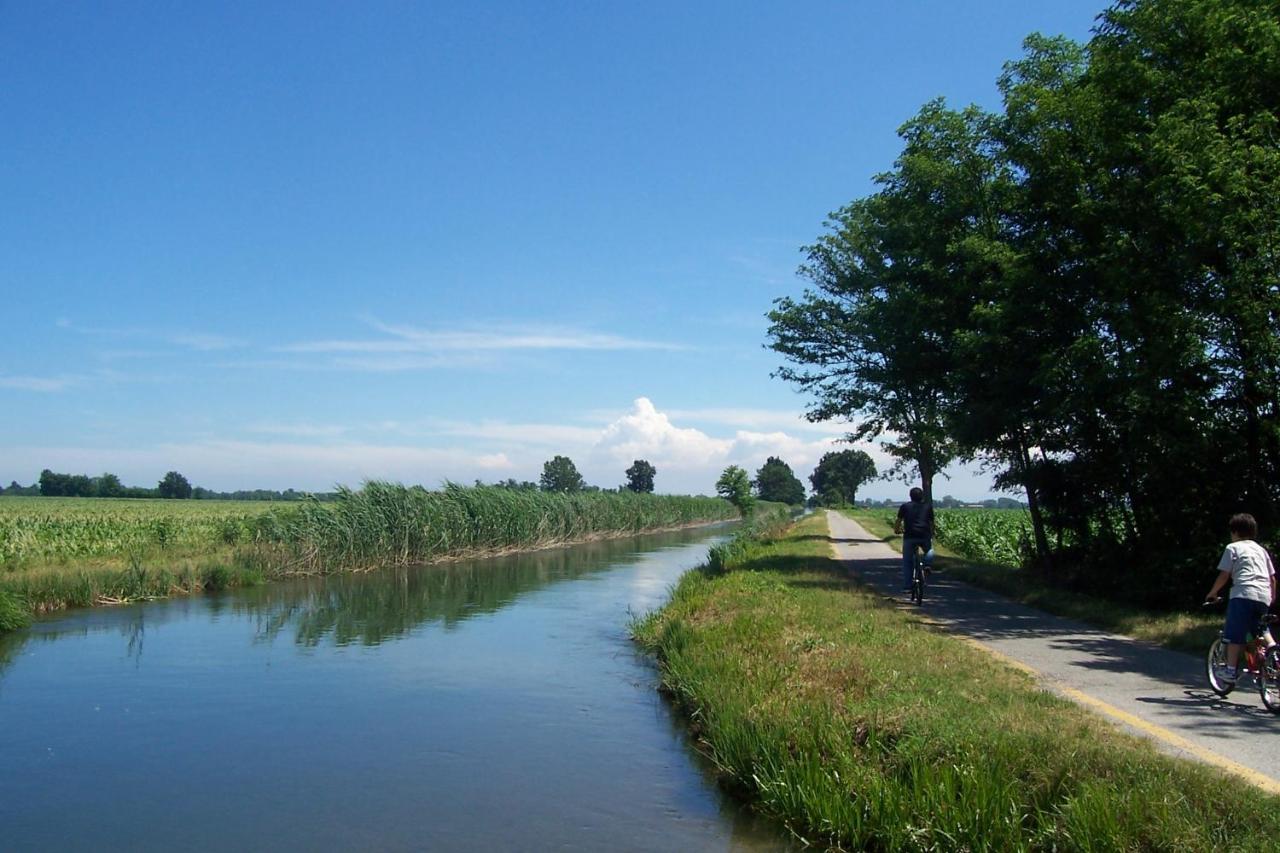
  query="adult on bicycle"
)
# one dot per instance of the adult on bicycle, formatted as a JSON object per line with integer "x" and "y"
{"x": 1246, "y": 565}
{"x": 915, "y": 523}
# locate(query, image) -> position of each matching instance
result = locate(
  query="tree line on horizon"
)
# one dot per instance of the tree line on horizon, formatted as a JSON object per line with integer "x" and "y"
{"x": 1080, "y": 291}
{"x": 172, "y": 486}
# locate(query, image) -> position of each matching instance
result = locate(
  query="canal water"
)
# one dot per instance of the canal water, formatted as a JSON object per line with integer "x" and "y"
{"x": 488, "y": 705}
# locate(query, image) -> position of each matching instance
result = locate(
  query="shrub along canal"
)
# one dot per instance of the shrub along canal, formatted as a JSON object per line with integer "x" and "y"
{"x": 486, "y": 705}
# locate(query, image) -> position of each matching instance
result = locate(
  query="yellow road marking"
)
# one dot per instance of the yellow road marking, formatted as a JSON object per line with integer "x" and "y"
{"x": 1261, "y": 780}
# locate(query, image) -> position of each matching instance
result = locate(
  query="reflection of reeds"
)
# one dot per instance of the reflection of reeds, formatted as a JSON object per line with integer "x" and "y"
{"x": 382, "y": 524}
{"x": 370, "y": 608}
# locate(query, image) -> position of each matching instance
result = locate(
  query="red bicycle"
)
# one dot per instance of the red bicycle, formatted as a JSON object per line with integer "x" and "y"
{"x": 1258, "y": 662}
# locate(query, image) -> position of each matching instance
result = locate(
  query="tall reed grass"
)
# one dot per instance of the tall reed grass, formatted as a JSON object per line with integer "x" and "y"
{"x": 381, "y": 524}
{"x": 390, "y": 524}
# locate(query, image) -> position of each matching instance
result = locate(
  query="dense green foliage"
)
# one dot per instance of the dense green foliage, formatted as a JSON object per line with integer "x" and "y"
{"x": 640, "y": 476}
{"x": 559, "y": 474}
{"x": 839, "y": 474}
{"x": 735, "y": 486}
{"x": 775, "y": 481}
{"x": 108, "y": 485}
{"x": 863, "y": 729}
{"x": 390, "y": 524}
{"x": 174, "y": 486}
{"x": 1080, "y": 290}
{"x": 767, "y": 521}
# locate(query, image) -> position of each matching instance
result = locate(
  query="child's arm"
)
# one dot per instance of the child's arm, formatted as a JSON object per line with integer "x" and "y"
{"x": 1224, "y": 578}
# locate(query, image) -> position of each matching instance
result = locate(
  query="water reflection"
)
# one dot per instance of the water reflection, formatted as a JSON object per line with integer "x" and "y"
{"x": 483, "y": 705}
{"x": 372, "y": 608}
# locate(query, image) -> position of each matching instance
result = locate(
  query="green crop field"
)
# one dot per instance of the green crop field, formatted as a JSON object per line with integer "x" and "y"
{"x": 43, "y": 530}
{"x": 996, "y": 536}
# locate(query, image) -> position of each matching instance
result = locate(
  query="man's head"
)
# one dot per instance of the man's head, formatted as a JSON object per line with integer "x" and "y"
{"x": 1243, "y": 526}
{"x": 917, "y": 494}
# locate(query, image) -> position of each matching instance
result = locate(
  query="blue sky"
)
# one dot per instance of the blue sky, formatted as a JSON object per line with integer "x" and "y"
{"x": 297, "y": 244}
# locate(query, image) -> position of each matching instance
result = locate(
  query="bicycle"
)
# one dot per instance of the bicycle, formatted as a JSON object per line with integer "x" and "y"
{"x": 1256, "y": 660}
{"x": 918, "y": 575}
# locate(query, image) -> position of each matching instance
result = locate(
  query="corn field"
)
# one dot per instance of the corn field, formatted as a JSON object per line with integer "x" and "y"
{"x": 997, "y": 536}
{"x": 44, "y": 530}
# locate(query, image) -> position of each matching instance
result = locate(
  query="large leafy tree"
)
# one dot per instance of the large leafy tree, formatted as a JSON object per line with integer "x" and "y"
{"x": 174, "y": 485}
{"x": 735, "y": 486}
{"x": 559, "y": 474}
{"x": 775, "y": 481}
{"x": 640, "y": 476}
{"x": 895, "y": 277}
{"x": 839, "y": 475}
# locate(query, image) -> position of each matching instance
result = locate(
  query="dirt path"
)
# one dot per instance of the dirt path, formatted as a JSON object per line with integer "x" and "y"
{"x": 1154, "y": 692}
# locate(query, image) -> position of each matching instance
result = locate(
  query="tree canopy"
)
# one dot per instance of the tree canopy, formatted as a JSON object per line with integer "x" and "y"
{"x": 839, "y": 474}
{"x": 775, "y": 481}
{"x": 735, "y": 486}
{"x": 1078, "y": 291}
{"x": 640, "y": 476}
{"x": 559, "y": 474}
{"x": 174, "y": 485}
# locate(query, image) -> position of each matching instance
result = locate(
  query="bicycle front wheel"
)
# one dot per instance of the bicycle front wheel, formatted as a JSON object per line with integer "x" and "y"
{"x": 1214, "y": 664}
{"x": 1269, "y": 680}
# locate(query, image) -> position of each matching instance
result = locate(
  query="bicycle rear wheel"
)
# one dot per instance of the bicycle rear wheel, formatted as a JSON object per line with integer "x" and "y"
{"x": 917, "y": 584}
{"x": 1215, "y": 663}
{"x": 1269, "y": 680}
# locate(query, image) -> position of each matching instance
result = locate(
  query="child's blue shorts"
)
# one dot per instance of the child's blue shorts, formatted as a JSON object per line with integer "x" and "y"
{"x": 1243, "y": 615}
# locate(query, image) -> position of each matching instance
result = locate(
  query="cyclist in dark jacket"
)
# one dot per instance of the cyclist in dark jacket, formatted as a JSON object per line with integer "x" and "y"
{"x": 915, "y": 523}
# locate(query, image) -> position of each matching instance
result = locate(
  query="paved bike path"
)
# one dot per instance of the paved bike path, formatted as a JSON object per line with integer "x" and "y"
{"x": 1152, "y": 691}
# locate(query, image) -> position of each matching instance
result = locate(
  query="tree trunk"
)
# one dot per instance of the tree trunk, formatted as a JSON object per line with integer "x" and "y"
{"x": 1033, "y": 504}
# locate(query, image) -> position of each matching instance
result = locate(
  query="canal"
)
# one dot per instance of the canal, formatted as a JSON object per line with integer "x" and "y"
{"x": 486, "y": 705}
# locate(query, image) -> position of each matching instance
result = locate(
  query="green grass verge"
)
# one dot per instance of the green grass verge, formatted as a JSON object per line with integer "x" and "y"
{"x": 1187, "y": 632}
{"x": 861, "y": 728}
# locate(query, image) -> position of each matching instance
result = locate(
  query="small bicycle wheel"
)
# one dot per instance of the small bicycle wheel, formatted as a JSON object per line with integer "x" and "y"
{"x": 1214, "y": 664}
{"x": 917, "y": 586}
{"x": 1269, "y": 680}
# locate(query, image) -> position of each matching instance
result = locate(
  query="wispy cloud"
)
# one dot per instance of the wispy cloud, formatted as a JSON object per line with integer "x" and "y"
{"x": 300, "y": 430}
{"x": 43, "y": 384}
{"x": 495, "y": 337}
{"x": 186, "y": 339}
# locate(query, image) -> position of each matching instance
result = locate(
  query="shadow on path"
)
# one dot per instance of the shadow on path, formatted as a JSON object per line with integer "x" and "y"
{"x": 1163, "y": 687}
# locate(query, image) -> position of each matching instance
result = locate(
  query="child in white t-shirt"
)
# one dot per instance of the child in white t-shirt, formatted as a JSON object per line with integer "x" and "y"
{"x": 1247, "y": 566}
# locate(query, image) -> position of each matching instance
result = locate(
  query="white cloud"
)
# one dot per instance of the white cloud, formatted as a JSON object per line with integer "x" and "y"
{"x": 429, "y": 452}
{"x": 647, "y": 433}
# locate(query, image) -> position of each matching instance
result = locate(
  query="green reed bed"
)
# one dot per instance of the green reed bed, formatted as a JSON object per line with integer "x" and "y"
{"x": 862, "y": 728}
{"x": 390, "y": 524}
{"x": 105, "y": 555}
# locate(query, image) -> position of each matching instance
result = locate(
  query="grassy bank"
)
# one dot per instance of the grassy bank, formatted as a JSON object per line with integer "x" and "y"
{"x": 1188, "y": 632}
{"x": 70, "y": 560}
{"x": 862, "y": 728}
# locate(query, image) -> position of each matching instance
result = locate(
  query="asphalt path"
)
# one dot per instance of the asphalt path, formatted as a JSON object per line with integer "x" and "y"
{"x": 1154, "y": 692}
